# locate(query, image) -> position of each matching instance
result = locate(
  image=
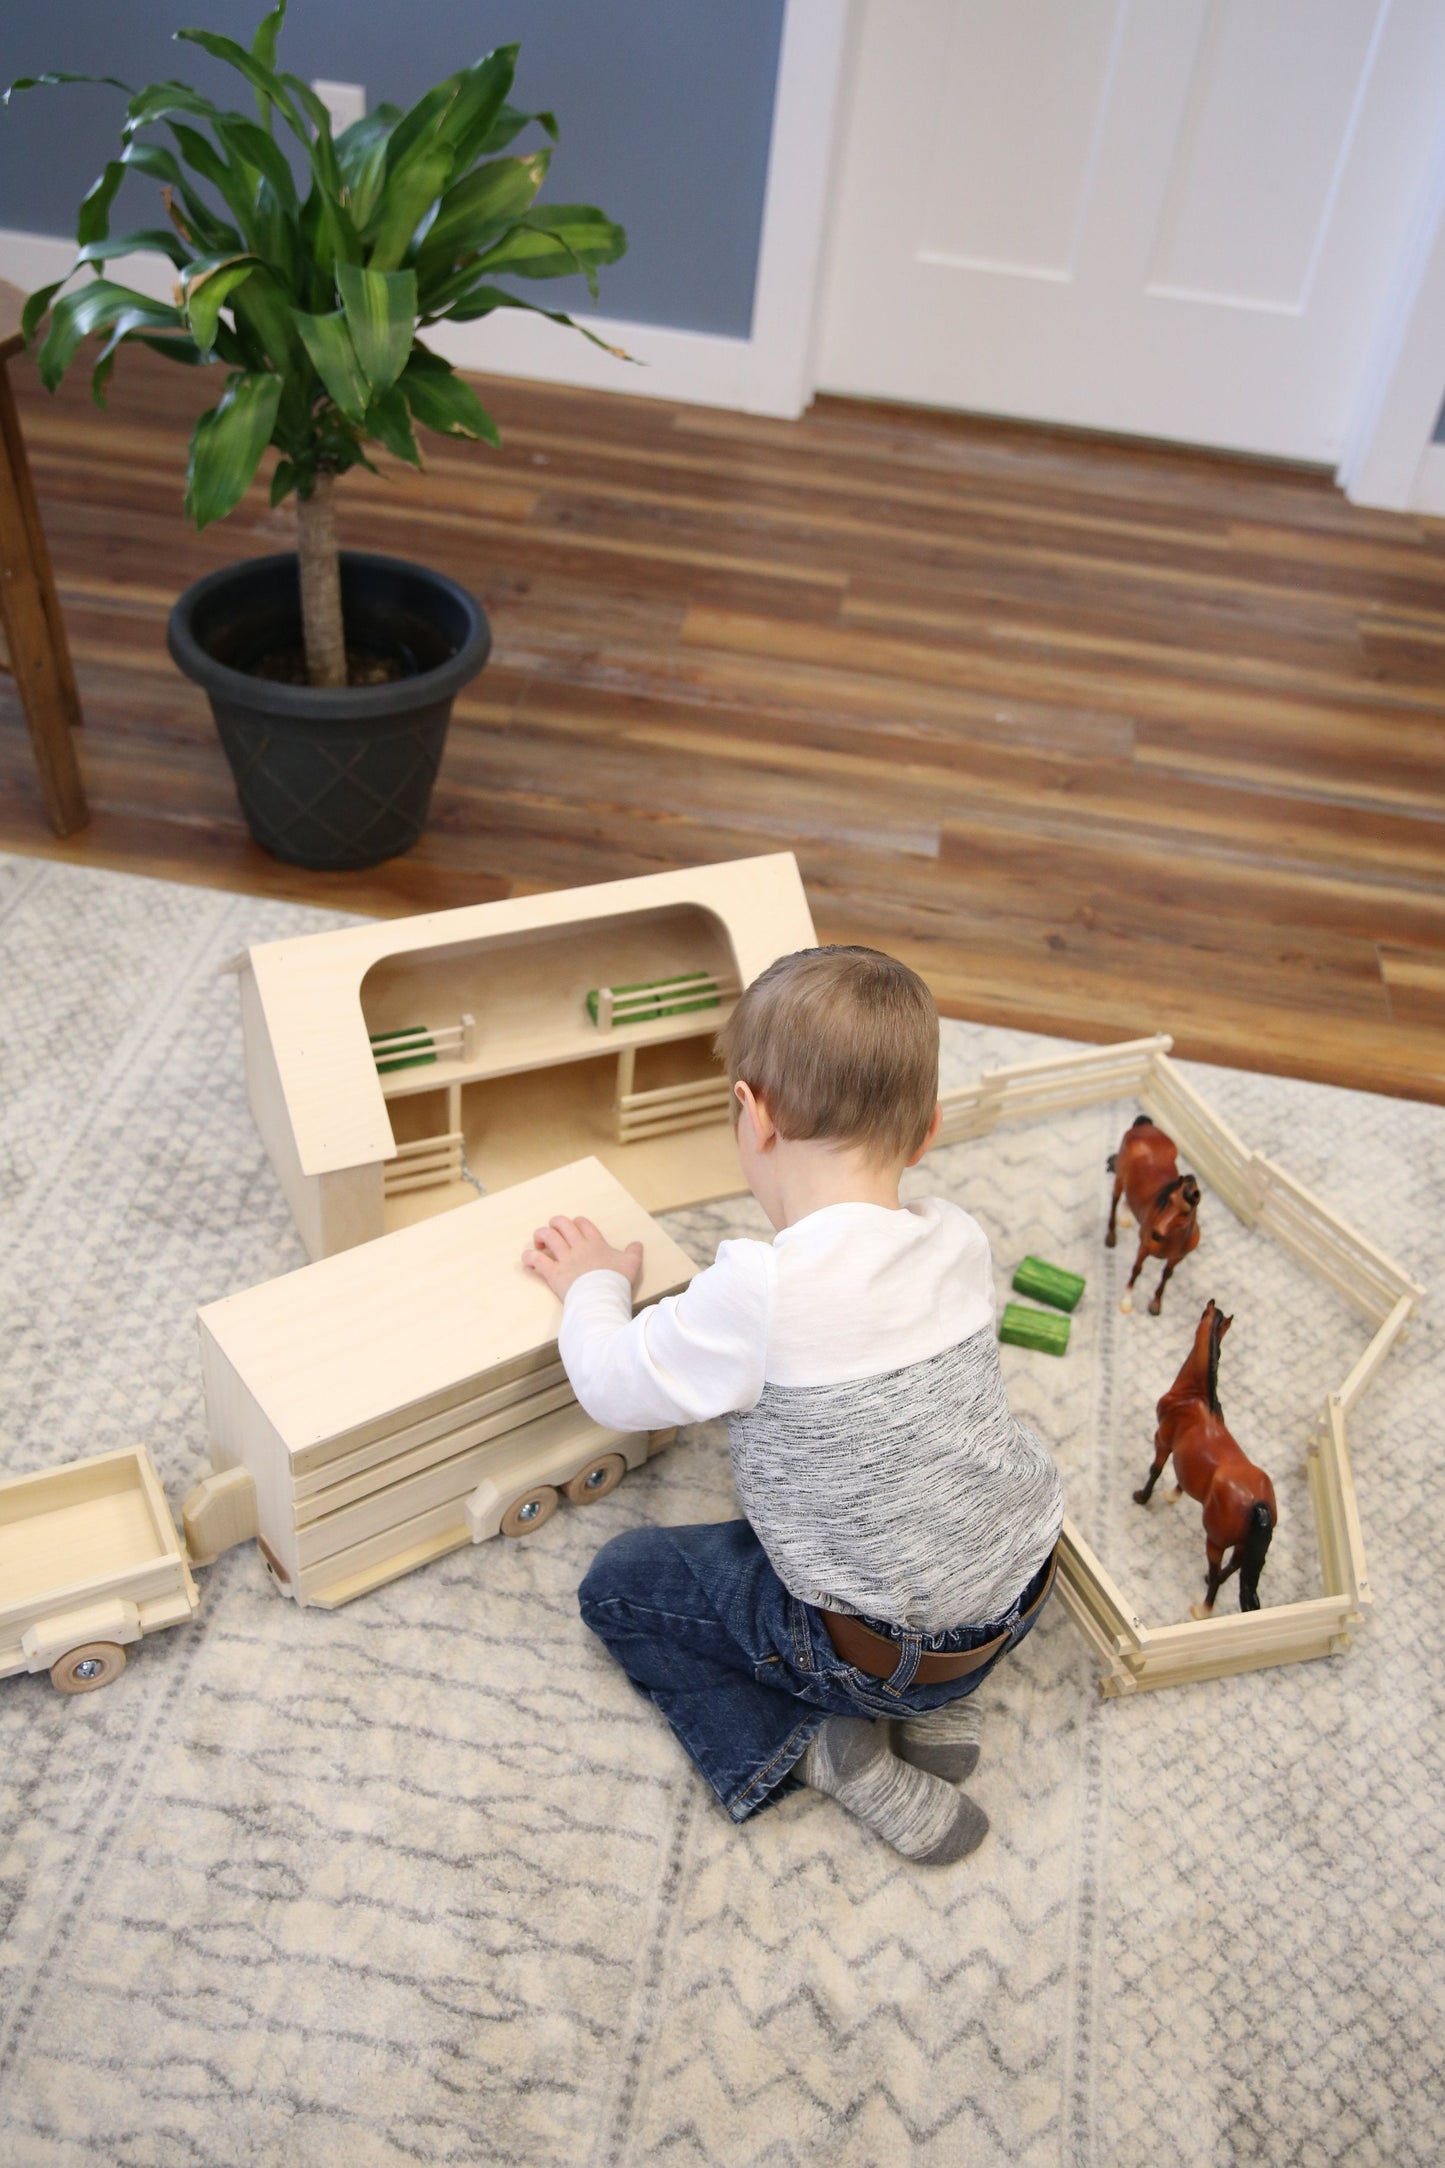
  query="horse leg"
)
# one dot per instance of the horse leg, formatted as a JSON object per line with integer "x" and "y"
{"x": 1127, "y": 1305}
{"x": 1161, "y": 1455}
{"x": 1215, "y": 1555}
{"x": 1112, "y": 1237}
{"x": 1157, "y": 1303}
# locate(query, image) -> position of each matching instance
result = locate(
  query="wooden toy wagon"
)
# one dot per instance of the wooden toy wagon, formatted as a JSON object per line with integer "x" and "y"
{"x": 377, "y": 1409}
{"x": 387, "y": 1063}
{"x": 89, "y": 1562}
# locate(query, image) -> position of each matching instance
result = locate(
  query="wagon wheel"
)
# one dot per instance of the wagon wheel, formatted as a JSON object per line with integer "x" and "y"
{"x": 528, "y": 1511}
{"x": 595, "y": 1480}
{"x": 82, "y": 1670}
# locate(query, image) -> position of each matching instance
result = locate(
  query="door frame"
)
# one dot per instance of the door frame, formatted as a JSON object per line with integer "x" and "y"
{"x": 1390, "y": 458}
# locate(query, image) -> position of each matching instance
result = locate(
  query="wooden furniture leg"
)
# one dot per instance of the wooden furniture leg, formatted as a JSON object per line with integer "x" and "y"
{"x": 34, "y": 633}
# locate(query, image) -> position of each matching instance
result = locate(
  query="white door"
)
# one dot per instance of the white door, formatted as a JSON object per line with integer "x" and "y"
{"x": 1175, "y": 218}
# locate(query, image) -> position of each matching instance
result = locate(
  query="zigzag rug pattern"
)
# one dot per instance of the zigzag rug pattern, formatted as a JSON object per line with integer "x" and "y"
{"x": 421, "y": 1881}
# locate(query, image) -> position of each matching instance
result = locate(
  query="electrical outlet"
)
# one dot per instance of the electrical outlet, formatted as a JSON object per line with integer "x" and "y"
{"x": 345, "y": 102}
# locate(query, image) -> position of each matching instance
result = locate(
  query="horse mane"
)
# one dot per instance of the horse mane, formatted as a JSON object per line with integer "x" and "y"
{"x": 1167, "y": 1191}
{"x": 1216, "y": 1334}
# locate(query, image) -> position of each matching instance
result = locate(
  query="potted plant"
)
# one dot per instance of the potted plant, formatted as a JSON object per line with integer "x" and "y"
{"x": 311, "y": 293}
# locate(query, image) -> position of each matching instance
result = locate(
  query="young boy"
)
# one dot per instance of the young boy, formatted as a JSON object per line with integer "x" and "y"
{"x": 900, "y": 1524}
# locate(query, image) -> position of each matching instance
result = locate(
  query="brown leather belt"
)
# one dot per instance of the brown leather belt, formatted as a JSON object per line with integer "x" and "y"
{"x": 878, "y": 1654}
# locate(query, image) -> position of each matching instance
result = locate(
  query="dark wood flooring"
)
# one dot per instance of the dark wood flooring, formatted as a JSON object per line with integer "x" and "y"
{"x": 1105, "y": 738}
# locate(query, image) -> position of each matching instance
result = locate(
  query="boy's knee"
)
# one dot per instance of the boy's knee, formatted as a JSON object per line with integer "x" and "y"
{"x": 627, "y": 1565}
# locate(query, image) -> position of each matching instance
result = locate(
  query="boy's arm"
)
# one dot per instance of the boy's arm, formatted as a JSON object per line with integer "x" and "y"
{"x": 683, "y": 1360}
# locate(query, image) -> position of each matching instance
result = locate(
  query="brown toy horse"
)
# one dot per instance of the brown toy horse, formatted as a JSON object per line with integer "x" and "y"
{"x": 1237, "y": 1497}
{"x": 1164, "y": 1202}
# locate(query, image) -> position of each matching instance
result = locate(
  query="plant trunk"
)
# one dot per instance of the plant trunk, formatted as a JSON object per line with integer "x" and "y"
{"x": 321, "y": 623}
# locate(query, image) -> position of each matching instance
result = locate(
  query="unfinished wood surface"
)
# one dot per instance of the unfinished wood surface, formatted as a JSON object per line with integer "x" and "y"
{"x": 89, "y": 1538}
{"x": 379, "y": 1328}
{"x": 1103, "y": 737}
{"x": 522, "y": 968}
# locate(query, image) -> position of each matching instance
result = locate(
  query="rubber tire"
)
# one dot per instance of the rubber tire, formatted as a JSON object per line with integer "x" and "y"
{"x": 544, "y": 1495}
{"x": 111, "y": 1654}
{"x": 575, "y": 1490}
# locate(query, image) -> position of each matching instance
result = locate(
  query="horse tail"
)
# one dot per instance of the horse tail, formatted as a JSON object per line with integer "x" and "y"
{"x": 1256, "y": 1544}
{"x": 1112, "y": 1163}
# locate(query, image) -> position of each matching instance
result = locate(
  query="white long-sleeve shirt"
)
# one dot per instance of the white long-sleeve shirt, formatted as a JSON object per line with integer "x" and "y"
{"x": 856, "y": 1358}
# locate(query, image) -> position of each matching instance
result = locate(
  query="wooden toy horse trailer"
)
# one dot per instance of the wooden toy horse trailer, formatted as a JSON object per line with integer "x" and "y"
{"x": 89, "y": 1562}
{"x": 394, "y": 1068}
{"x": 372, "y": 1411}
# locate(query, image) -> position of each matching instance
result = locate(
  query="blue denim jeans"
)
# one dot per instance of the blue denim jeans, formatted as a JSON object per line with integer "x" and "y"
{"x": 744, "y": 1672}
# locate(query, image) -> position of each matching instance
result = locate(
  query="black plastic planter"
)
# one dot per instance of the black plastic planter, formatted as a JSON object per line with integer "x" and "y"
{"x": 332, "y": 778}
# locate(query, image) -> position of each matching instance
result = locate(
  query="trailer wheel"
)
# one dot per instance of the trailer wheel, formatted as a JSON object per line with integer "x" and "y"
{"x": 527, "y": 1512}
{"x": 82, "y": 1670}
{"x": 595, "y": 1480}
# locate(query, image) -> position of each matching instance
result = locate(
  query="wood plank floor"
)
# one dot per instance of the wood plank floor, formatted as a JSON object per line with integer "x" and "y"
{"x": 1104, "y": 738}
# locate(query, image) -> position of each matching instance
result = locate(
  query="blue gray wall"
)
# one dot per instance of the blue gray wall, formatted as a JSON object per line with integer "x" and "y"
{"x": 665, "y": 108}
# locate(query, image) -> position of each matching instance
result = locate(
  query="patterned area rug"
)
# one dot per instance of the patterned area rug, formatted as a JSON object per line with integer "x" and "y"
{"x": 423, "y": 1881}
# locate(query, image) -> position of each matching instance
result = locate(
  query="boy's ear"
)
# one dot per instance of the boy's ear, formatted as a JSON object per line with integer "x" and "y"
{"x": 752, "y": 1109}
{"x": 930, "y": 1134}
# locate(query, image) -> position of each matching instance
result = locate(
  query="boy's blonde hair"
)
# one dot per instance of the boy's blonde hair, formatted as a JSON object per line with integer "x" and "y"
{"x": 839, "y": 1043}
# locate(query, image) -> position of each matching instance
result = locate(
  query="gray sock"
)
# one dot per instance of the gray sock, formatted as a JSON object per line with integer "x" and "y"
{"x": 917, "y": 1813}
{"x": 945, "y": 1741}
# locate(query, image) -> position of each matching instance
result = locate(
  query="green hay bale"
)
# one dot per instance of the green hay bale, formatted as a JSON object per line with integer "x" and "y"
{"x": 1049, "y": 1283}
{"x": 410, "y": 1049}
{"x": 1034, "y": 1328}
{"x": 659, "y": 997}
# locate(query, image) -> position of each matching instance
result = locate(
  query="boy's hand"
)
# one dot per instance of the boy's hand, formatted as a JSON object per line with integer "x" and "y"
{"x": 570, "y": 1247}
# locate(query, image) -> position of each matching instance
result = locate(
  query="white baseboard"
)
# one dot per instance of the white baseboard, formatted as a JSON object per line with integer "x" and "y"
{"x": 1427, "y": 493}
{"x": 699, "y": 368}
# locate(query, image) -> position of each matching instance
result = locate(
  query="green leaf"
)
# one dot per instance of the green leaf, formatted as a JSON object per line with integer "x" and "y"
{"x": 251, "y": 146}
{"x": 476, "y": 208}
{"x": 201, "y": 154}
{"x": 439, "y": 399}
{"x": 95, "y": 307}
{"x": 508, "y": 125}
{"x": 410, "y": 191}
{"x": 93, "y": 223}
{"x": 361, "y": 160}
{"x": 263, "y": 314}
{"x": 227, "y": 444}
{"x": 388, "y": 420}
{"x": 420, "y": 129}
{"x": 380, "y": 310}
{"x": 262, "y": 79}
{"x": 161, "y": 101}
{"x": 284, "y": 480}
{"x": 263, "y": 51}
{"x": 482, "y": 300}
{"x": 328, "y": 341}
{"x": 153, "y": 159}
{"x": 33, "y": 313}
{"x": 209, "y": 285}
{"x": 60, "y": 75}
{"x": 155, "y": 240}
{"x": 481, "y": 97}
{"x": 555, "y": 240}
{"x": 129, "y": 327}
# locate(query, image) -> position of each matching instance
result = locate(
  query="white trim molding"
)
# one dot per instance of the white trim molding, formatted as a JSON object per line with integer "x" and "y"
{"x": 767, "y": 373}
{"x": 1389, "y": 457}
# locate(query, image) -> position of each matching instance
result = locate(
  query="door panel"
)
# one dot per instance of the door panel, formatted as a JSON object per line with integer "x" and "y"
{"x": 1175, "y": 220}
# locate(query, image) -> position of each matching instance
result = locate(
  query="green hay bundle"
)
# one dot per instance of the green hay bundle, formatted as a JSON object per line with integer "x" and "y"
{"x": 1049, "y": 1283}
{"x": 1034, "y": 1328}
{"x": 410, "y": 1049}
{"x": 648, "y": 999}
